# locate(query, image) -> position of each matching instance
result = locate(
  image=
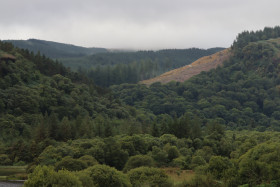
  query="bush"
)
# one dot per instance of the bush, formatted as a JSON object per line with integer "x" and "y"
{"x": 70, "y": 164}
{"x": 172, "y": 152}
{"x": 105, "y": 176}
{"x": 65, "y": 178}
{"x": 89, "y": 160}
{"x": 138, "y": 161}
{"x": 85, "y": 178}
{"x": 182, "y": 162}
{"x": 5, "y": 160}
{"x": 197, "y": 161}
{"x": 46, "y": 176}
{"x": 148, "y": 176}
{"x": 218, "y": 165}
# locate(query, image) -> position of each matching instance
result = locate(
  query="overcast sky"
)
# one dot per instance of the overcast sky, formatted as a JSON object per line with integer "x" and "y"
{"x": 137, "y": 24}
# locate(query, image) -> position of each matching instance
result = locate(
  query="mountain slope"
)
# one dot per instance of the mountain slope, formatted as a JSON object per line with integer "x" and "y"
{"x": 54, "y": 49}
{"x": 40, "y": 98}
{"x": 241, "y": 94}
{"x": 131, "y": 67}
{"x": 184, "y": 73}
{"x": 164, "y": 59}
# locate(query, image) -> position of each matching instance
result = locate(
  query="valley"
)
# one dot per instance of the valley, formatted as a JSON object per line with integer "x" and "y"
{"x": 214, "y": 121}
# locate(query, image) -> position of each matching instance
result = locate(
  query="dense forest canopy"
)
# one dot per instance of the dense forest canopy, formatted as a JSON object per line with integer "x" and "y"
{"x": 220, "y": 125}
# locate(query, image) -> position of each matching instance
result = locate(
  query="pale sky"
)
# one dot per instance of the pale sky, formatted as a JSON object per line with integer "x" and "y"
{"x": 136, "y": 24}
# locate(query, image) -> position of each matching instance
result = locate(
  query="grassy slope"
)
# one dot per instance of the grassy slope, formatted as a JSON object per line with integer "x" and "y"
{"x": 178, "y": 176}
{"x": 186, "y": 72}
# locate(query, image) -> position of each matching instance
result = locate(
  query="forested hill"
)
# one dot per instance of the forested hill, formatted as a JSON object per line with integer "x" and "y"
{"x": 171, "y": 58}
{"x": 40, "y": 99}
{"x": 55, "y": 50}
{"x": 130, "y": 67}
{"x": 201, "y": 132}
{"x": 243, "y": 93}
{"x": 107, "y": 67}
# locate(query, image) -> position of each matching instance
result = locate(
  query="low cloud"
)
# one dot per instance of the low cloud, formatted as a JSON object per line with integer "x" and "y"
{"x": 145, "y": 24}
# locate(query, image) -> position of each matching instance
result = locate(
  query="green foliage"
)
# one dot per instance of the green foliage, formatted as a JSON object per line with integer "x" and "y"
{"x": 43, "y": 102}
{"x": 104, "y": 176}
{"x": 89, "y": 160}
{"x": 70, "y": 164}
{"x": 260, "y": 164}
{"x": 172, "y": 152}
{"x": 114, "y": 155}
{"x": 148, "y": 176}
{"x": 197, "y": 161}
{"x": 159, "y": 155}
{"x": 5, "y": 160}
{"x": 49, "y": 156}
{"x": 52, "y": 116}
{"x": 246, "y": 37}
{"x": 65, "y": 178}
{"x": 84, "y": 177}
{"x": 242, "y": 94}
{"x": 218, "y": 165}
{"x": 46, "y": 176}
{"x": 138, "y": 161}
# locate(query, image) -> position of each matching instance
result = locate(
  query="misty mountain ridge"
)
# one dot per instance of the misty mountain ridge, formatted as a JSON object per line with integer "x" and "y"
{"x": 56, "y": 50}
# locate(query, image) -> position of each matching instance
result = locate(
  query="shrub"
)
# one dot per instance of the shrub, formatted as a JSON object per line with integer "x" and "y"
{"x": 218, "y": 165}
{"x": 70, "y": 164}
{"x": 46, "y": 176}
{"x": 197, "y": 161}
{"x": 105, "y": 176}
{"x": 5, "y": 160}
{"x": 89, "y": 160}
{"x": 138, "y": 161}
{"x": 85, "y": 178}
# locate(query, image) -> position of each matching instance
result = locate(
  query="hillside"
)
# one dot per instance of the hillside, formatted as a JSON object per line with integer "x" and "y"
{"x": 40, "y": 98}
{"x": 171, "y": 58}
{"x": 243, "y": 93}
{"x": 184, "y": 73}
{"x": 115, "y": 68}
{"x": 107, "y": 67}
{"x": 55, "y": 50}
{"x": 217, "y": 128}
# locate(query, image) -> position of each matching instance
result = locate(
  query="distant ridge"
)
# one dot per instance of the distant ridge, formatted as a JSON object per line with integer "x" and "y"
{"x": 184, "y": 73}
{"x": 55, "y": 50}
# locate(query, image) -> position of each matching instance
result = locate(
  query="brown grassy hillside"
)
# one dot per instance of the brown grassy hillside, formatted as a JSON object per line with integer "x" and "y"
{"x": 184, "y": 73}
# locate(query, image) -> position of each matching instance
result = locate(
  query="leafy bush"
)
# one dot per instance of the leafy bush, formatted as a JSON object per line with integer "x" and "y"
{"x": 197, "y": 161}
{"x": 137, "y": 161}
{"x": 70, "y": 164}
{"x": 218, "y": 165}
{"x": 105, "y": 176}
{"x": 5, "y": 160}
{"x": 46, "y": 176}
{"x": 89, "y": 160}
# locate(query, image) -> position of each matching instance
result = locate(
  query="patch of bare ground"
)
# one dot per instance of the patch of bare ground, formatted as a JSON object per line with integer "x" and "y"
{"x": 184, "y": 73}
